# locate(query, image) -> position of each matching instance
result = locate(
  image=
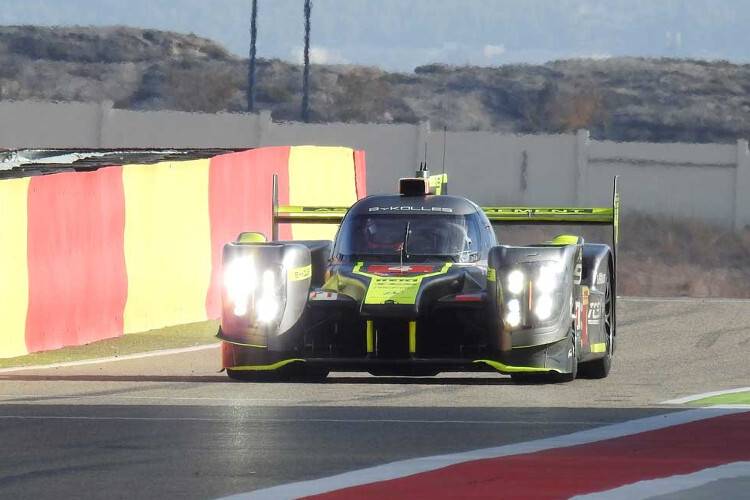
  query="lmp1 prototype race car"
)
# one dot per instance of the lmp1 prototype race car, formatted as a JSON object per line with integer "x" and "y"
{"x": 416, "y": 284}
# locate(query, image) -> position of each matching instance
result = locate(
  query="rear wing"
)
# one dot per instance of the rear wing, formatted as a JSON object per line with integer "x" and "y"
{"x": 600, "y": 216}
{"x": 564, "y": 216}
{"x": 290, "y": 214}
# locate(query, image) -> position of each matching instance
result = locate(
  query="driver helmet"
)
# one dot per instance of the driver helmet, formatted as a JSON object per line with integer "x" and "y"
{"x": 383, "y": 236}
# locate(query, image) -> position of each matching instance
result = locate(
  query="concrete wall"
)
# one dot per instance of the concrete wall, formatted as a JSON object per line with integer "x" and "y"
{"x": 709, "y": 181}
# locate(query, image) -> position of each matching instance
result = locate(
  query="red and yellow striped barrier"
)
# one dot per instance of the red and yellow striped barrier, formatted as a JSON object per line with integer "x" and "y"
{"x": 90, "y": 256}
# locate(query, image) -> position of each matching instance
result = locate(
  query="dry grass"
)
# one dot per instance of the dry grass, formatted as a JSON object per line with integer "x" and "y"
{"x": 665, "y": 258}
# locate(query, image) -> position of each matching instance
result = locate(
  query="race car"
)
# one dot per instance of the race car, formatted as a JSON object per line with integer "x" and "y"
{"x": 415, "y": 284}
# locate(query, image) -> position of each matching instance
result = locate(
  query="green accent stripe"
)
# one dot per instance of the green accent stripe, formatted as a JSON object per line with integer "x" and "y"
{"x": 300, "y": 273}
{"x": 503, "y": 368}
{"x": 241, "y": 344}
{"x": 602, "y": 347}
{"x": 291, "y": 214}
{"x": 565, "y": 239}
{"x": 274, "y": 366}
{"x": 437, "y": 181}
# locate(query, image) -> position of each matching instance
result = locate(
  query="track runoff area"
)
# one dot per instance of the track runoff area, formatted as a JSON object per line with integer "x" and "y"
{"x": 671, "y": 421}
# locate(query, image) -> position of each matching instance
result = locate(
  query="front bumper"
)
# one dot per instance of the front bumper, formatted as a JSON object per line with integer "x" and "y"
{"x": 540, "y": 359}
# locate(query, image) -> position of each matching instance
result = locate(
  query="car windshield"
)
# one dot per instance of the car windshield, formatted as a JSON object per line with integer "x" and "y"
{"x": 412, "y": 238}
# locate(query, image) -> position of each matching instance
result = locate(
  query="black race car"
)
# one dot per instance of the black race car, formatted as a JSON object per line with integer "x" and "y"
{"x": 416, "y": 284}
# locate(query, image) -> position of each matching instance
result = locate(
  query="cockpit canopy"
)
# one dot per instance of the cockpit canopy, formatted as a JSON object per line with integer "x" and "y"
{"x": 413, "y": 238}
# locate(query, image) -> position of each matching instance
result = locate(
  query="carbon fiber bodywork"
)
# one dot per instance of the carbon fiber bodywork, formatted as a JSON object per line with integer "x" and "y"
{"x": 422, "y": 316}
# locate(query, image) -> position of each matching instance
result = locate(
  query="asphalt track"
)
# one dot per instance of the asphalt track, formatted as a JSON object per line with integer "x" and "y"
{"x": 173, "y": 426}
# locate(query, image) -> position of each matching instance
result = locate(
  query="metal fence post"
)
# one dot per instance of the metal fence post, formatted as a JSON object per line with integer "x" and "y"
{"x": 742, "y": 186}
{"x": 582, "y": 165}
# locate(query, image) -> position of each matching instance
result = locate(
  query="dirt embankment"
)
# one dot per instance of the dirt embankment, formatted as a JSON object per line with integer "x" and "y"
{"x": 683, "y": 258}
{"x": 666, "y": 258}
{"x": 620, "y": 98}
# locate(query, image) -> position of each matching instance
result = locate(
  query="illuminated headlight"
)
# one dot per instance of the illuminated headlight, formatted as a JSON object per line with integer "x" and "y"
{"x": 267, "y": 308}
{"x": 549, "y": 278}
{"x": 516, "y": 281}
{"x": 240, "y": 282}
{"x": 514, "y": 313}
{"x": 543, "y": 307}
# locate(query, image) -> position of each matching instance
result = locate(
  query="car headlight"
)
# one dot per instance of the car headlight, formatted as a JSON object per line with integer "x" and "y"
{"x": 547, "y": 281}
{"x": 240, "y": 282}
{"x": 256, "y": 294}
{"x": 543, "y": 307}
{"x": 533, "y": 292}
{"x": 548, "y": 277}
{"x": 267, "y": 307}
{"x": 516, "y": 281}
{"x": 514, "y": 313}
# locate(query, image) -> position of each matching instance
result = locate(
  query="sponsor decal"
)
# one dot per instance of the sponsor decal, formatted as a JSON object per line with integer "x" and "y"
{"x": 324, "y": 209}
{"x": 595, "y": 313}
{"x": 300, "y": 273}
{"x": 385, "y": 290}
{"x": 324, "y": 296}
{"x": 537, "y": 211}
{"x": 395, "y": 289}
{"x": 601, "y": 278}
{"x": 597, "y": 348}
{"x": 585, "y": 315}
{"x": 491, "y": 274}
{"x": 410, "y": 209}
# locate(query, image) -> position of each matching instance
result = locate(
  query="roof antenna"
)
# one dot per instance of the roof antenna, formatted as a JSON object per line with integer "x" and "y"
{"x": 445, "y": 130}
{"x": 423, "y": 172}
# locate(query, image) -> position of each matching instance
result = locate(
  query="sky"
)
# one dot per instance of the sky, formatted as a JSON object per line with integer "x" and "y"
{"x": 399, "y": 35}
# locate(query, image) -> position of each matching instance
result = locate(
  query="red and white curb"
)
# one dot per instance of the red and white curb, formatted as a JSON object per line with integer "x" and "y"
{"x": 674, "y": 484}
{"x": 595, "y": 460}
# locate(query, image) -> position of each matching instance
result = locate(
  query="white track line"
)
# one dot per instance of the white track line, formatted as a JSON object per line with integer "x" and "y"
{"x": 410, "y": 467}
{"x": 110, "y": 398}
{"x": 696, "y": 397}
{"x": 673, "y": 484}
{"x": 126, "y": 357}
{"x": 681, "y": 299}
{"x": 298, "y": 420}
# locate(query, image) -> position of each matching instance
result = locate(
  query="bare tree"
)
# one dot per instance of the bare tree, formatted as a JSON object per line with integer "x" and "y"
{"x": 251, "y": 69}
{"x": 306, "y": 73}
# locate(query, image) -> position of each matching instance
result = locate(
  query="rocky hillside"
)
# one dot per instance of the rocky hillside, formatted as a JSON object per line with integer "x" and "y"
{"x": 618, "y": 98}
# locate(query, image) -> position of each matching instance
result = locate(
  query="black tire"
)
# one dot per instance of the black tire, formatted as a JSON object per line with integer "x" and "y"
{"x": 599, "y": 368}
